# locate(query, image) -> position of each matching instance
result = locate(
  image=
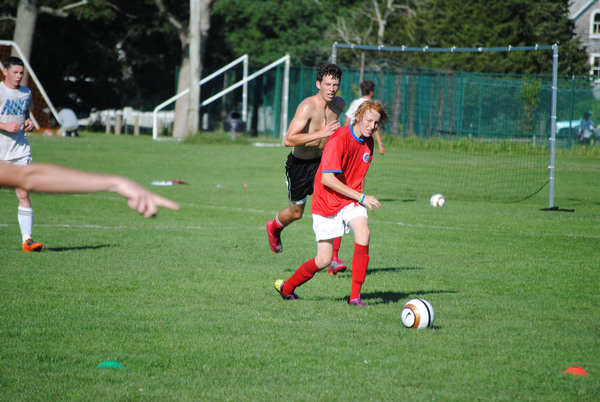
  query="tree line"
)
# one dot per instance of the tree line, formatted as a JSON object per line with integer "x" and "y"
{"x": 114, "y": 53}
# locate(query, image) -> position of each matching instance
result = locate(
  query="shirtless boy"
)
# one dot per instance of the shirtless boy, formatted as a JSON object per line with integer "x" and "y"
{"x": 315, "y": 120}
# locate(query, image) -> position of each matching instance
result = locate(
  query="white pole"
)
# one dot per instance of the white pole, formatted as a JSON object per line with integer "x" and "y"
{"x": 553, "y": 124}
{"x": 245, "y": 91}
{"x": 285, "y": 99}
{"x": 333, "y": 52}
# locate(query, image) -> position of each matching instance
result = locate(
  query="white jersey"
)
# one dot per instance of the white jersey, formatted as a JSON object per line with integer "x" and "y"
{"x": 354, "y": 107}
{"x": 14, "y": 104}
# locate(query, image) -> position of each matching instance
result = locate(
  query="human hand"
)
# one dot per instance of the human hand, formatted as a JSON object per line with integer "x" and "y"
{"x": 371, "y": 202}
{"x": 12, "y": 127}
{"x": 142, "y": 200}
{"x": 329, "y": 128}
{"x": 28, "y": 126}
{"x": 381, "y": 150}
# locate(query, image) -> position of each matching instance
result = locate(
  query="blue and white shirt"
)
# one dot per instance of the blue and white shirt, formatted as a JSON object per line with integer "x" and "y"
{"x": 14, "y": 106}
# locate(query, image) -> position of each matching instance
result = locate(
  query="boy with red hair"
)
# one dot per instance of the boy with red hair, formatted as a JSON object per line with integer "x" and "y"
{"x": 339, "y": 203}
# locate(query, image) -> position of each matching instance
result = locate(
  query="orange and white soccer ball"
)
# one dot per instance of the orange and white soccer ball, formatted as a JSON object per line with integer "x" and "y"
{"x": 437, "y": 200}
{"x": 417, "y": 314}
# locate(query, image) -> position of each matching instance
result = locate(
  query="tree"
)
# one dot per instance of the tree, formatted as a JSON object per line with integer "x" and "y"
{"x": 367, "y": 22}
{"x": 114, "y": 53}
{"x": 95, "y": 53}
{"x": 180, "y": 128}
{"x": 472, "y": 23}
{"x": 25, "y": 21}
{"x": 268, "y": 29}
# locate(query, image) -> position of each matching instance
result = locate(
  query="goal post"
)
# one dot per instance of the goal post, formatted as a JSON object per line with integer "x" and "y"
{"x": 553, "y": 103}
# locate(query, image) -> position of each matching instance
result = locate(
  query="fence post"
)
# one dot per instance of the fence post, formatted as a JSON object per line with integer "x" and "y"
{"x": 118, "y": 123}
{"x": 136, "y": 127}
{"x": 108, "y": 115}
{"x": 571, "y": 109}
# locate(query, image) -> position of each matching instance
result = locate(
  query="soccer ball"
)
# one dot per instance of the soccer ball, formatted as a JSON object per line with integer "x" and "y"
{"x": 437, "y": 200}
{"x": 417, "y": 314}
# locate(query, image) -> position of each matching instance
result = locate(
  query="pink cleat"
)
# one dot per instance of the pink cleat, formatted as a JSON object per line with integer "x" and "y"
{"x": 274, "y": 240}
{"x": 357, "y": 302}
{"x": 336, "y": 266}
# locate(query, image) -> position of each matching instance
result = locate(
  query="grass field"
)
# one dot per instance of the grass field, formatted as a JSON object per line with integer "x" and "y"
{"x": 185, "y": 301}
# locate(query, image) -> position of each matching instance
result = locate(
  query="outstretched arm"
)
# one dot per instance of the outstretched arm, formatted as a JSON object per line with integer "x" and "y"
{"x": 48, "y": 178}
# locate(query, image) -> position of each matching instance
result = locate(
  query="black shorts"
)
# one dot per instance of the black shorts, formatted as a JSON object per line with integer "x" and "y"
{"x": 300, "y": 177}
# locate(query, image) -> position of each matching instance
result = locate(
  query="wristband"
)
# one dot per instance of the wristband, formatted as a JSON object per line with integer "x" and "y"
{"x": 361, "y": 199}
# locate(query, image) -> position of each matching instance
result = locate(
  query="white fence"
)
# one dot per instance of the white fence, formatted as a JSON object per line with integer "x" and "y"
{"x": 122, "y": 120}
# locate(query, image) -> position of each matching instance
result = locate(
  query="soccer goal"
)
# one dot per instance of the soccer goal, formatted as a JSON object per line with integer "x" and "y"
{"x": 465, "y": 135}
{"x": 243, "y": 83}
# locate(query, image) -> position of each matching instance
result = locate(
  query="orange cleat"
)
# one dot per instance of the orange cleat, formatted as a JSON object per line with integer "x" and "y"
{"x": 31, "y": 245}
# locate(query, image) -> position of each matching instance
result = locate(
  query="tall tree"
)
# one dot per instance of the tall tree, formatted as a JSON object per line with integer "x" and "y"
{"x": 268, "y": 29}
{"x": 368, "y": 23}
{"x": 26, "y": 18}
{"x": 472, "y": 23}
{"x": 181, "y": 26}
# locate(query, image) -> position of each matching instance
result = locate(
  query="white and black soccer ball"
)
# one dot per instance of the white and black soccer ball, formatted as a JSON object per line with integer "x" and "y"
{"x": 417, "y": 314}
{"x": 437, "y": 200}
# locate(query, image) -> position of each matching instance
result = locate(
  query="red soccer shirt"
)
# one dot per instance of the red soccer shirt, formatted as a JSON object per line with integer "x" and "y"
{"x": 349, "y": 158}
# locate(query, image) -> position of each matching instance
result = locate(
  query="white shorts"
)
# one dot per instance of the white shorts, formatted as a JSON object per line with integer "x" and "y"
{"x": 330, "y": 227}
{"x": 24, "y": 161}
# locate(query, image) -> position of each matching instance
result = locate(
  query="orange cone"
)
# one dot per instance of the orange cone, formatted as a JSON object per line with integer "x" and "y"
{"x": 575, "y": 371}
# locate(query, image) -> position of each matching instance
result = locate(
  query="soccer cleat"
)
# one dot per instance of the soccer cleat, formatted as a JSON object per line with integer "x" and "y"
{"x": 31, "y": 245}
{"x": 278, "y": 285}
{"x": 357, "y": 302}
{"x": 336, "y": 266}
{"x": 274, "y": 241}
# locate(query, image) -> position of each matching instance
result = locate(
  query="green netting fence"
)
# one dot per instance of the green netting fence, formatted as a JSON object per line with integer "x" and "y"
{"x": 498, "y": 126}
{"x": 426, "y": 103}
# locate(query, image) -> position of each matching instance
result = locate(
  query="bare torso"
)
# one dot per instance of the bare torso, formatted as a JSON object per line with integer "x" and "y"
{"x": 316, "y": 114}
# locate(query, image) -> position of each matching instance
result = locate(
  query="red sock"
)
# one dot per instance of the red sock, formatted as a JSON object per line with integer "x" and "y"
{"x": 302, "y": 274}
{"x": 278, "y": 227}
{"x": 337, "y": 242}
{"x": 360, "y": 262}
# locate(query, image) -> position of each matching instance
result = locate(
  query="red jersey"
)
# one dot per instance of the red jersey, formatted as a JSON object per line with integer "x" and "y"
{"x": 349, "y": 158}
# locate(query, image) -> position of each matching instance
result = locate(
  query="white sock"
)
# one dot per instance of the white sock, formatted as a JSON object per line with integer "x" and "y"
{"x": 26, "y": 222}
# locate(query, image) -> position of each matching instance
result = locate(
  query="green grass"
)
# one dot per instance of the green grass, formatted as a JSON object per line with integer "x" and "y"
{"x": 185, "y": 301}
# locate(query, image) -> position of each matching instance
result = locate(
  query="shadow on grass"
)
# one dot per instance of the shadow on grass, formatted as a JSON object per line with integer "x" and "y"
{"x": 60, "y": 249}
{"x": 395, "y": 297}
{"x": 395, "y": 199}
{"x": 391, "y": 269}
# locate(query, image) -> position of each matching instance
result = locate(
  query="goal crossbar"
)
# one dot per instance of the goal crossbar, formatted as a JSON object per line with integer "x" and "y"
{"x": 427, "y": 49}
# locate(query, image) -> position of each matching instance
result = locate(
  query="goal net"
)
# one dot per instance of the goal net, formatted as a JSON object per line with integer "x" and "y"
{"x": 472, "y": 136}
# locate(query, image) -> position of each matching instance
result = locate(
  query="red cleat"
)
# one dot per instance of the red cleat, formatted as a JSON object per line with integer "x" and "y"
{"x": 274, "y": 240}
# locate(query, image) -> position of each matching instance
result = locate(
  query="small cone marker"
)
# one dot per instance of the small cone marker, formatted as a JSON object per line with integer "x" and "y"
{"x": 575, "y": 371}
{"x": 110, "y": 364}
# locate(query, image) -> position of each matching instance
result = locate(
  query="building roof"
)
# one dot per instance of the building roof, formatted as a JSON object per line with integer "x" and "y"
{"x": 578, "y": 8}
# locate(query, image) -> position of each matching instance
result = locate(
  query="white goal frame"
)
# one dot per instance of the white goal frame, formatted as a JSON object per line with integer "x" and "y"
{"x": 242, "y": 82}
{"x": 426, "y": 49}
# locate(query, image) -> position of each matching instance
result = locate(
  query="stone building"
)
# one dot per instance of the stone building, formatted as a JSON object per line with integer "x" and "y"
{"x": 586, "y": 16}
